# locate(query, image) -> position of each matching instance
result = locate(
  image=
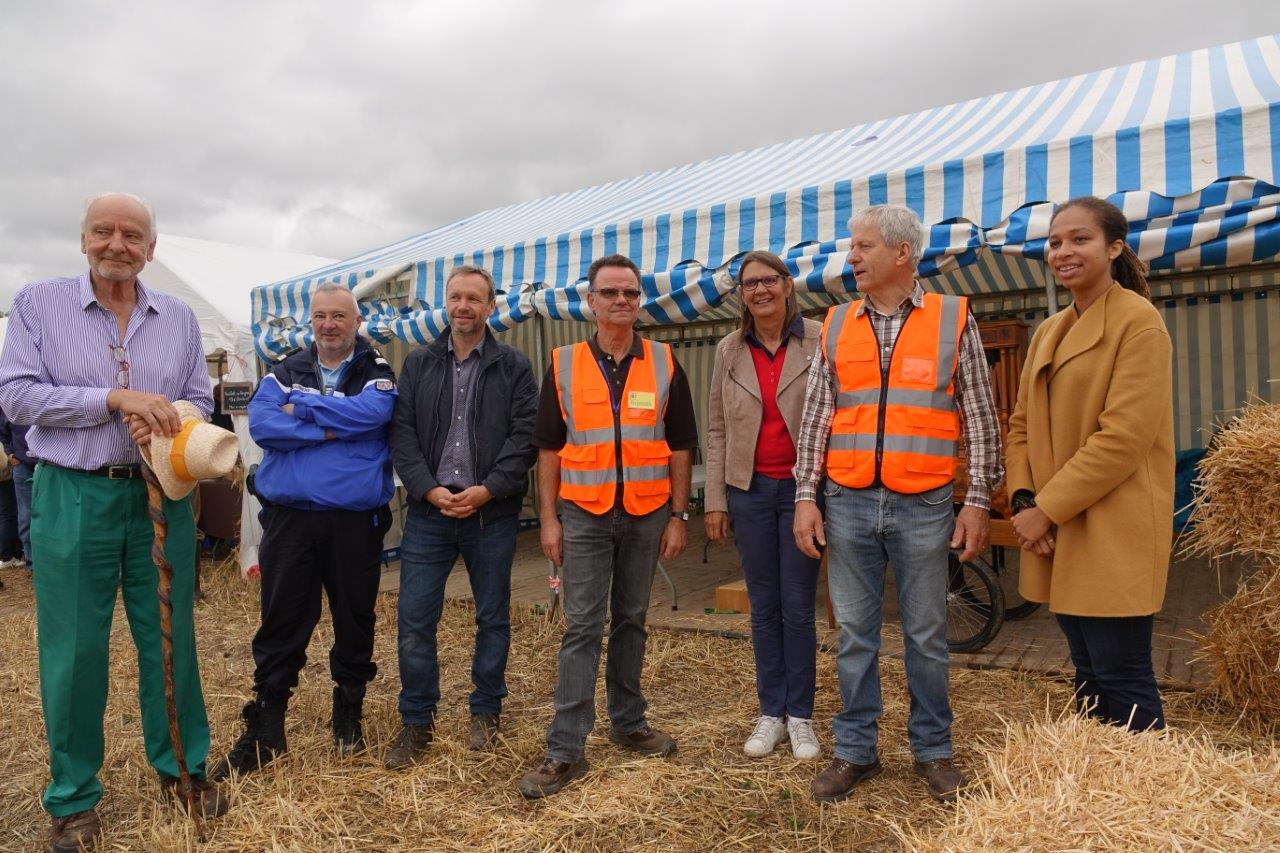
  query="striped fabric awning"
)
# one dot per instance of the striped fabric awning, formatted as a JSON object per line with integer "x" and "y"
{"x": 1188, "y": 145}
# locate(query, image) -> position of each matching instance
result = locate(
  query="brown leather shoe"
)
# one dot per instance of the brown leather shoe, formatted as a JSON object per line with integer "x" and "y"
{"x": 837, "y": 781}
{"x": 411, "y": 742}
{"x": 79, "y": 831}
{"x": 484, "y": 731}
{"x": 210, "y": 799}
{"x": 549, "y": 777}
{"x": 645, "y": 741}
{"x": 943, "y": 779}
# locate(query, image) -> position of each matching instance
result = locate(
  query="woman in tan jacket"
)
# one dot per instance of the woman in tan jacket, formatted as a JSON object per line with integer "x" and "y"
{"x": 757, "y": 398}
{"x": 1090, "y": 464}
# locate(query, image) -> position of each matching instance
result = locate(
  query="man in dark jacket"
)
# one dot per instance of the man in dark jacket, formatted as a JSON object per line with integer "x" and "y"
{"x": 321, "y": 419}
{"x": 462, "y": 443}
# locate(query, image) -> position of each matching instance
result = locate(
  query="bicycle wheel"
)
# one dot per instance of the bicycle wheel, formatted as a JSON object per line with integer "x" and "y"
{"x": 975, "y": 605}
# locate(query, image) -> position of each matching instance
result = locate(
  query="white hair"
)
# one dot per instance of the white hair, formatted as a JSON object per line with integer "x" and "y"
{"x": 897, "y": 225}
{"x": 334, "y": 287}
{"x": 97, "y": 197}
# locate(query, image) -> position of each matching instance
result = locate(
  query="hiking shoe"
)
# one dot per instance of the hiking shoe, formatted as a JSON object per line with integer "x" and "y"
{"x": 645, "y": 741}
{"x": 837, "y": 781}
{"x": 484, "y": 731}
{"x": 74, "y": 832}
{"x": 262, "y": 741}
{"x": 410, "y": 743}
{"x": 209, "y": 798}
{"x": 348, "y": 732}
{"x": 549, "y": 777}
{"x": 767, "y": 734}
{"x": 942, "y": 777}
{"x": 804, "y": 743}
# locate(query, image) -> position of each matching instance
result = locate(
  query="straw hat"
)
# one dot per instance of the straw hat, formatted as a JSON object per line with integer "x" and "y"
{"x": 199, "y": 451}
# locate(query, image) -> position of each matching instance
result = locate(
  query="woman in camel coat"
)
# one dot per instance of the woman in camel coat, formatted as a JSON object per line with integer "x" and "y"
{"x": 753, "y": 419}
{"x": 1090, "y": 464}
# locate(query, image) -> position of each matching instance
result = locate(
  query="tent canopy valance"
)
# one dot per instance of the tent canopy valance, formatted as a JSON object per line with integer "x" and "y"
{"x": 1188, "y": 145}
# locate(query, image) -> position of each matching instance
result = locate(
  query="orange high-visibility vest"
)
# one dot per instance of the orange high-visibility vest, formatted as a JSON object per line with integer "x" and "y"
{"x": 588, "y": 461}
{"x": 899, "y": 428}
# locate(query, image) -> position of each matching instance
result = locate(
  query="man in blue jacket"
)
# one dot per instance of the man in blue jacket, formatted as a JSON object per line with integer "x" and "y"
{"x": 462, "y": 443}
{"x": 321, "y": 417}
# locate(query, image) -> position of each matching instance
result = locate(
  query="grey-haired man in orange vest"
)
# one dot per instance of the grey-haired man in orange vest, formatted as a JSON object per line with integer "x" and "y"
{"x": 900, "y": 376}
{"x": 616, "y": 434}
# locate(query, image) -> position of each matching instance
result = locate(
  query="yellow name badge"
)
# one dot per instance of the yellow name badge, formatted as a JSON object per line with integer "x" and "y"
{"x": 641, "y": 400}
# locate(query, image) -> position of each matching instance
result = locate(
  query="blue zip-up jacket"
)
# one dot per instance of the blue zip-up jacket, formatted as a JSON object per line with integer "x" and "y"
{"x": 302, "y": 469}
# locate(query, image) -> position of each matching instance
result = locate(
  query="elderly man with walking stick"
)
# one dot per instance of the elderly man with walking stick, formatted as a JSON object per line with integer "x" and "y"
{"x": 96, "y": 364}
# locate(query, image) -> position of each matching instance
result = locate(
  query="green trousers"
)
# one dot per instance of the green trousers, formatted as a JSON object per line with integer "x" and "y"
{"x": 93, "y": 536}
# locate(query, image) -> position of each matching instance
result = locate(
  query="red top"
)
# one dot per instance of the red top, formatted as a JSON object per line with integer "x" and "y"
{"x": 775, "y": 451}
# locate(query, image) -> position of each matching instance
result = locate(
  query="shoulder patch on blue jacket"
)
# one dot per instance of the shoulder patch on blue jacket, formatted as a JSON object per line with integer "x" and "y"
{"x": 384, "y": 385}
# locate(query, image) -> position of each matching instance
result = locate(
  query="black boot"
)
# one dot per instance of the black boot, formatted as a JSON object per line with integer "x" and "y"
{"x": 348, "y": 734}
{"x": 262, "y": 741}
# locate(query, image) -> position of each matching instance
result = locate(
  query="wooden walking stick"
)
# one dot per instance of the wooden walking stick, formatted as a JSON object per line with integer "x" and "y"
{"x": 160, "y": 529}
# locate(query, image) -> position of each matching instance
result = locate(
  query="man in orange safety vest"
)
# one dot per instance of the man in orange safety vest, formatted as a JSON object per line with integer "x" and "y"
{"x": 900, "y": 375}
{"x": 616, "y": 434}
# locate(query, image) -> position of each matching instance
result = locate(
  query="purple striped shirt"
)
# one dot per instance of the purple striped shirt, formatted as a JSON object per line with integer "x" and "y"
{"x": 58, "y": 367}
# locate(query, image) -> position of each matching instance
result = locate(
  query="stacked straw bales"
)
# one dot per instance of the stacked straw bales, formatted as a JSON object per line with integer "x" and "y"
{"x": 1237, "y": 514}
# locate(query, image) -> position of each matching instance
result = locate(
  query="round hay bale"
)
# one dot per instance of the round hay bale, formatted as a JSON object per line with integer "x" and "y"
{"x": 1236, "y": 509}
{"x": 1243, "y": 646}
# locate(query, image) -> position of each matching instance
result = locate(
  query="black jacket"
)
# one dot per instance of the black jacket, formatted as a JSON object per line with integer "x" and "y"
{"x": 502, "y": 415}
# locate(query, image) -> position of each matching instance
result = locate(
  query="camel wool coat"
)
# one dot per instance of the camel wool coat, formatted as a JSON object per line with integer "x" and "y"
{"x": 735, "y": 411}
{"x": 1092, "y": 437}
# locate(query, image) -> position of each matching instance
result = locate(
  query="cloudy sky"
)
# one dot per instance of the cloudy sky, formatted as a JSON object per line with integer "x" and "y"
{"x": 330, "y": 128}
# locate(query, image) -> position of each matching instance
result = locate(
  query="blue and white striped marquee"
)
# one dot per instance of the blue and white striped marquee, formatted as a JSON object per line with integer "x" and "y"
{"x": 1188, "y": 145}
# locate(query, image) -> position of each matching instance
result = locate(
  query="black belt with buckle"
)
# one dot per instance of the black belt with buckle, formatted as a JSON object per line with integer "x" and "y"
{"x": 117, "y": 472}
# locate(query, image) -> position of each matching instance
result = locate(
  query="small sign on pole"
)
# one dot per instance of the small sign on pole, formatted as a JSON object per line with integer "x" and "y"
{"x": 236, "y": 397}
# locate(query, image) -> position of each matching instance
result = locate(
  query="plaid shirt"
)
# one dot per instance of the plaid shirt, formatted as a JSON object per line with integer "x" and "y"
{"x": 973, "y": 400}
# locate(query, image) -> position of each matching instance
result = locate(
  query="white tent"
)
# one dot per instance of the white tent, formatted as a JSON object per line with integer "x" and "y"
{"x": 215, "y": 280}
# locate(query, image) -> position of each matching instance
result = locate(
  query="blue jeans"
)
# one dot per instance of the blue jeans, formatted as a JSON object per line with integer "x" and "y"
{"x": 430, "y": 545}
{"x": 609, "y": 561}
{"x": 865, "y": 529}
{"x": 1115, "y": 682}
{"x": 781, "y": 586}
{"x": 22, "y": 486}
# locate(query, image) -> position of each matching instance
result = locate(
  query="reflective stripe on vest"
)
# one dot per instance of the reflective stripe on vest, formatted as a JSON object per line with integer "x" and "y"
{"x": 588, "y": 461}
{"x": 902, "y": 428}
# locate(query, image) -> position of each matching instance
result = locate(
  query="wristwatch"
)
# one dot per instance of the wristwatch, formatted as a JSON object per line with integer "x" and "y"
{"x": 683, "y": 514}
{"x": 1022, "y": 499}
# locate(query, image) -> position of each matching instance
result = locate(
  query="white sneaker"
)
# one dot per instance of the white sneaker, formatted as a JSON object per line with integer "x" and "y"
{"x": 768, "y": 733}
{"x": 12, "y": 562}
{"x": 804, "y": 743}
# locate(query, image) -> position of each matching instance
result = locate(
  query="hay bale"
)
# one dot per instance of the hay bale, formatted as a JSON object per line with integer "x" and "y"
{"x": 1236, "y": 508}
{"x": 1075, "y": 784}
{"x": 1242, "y": 647}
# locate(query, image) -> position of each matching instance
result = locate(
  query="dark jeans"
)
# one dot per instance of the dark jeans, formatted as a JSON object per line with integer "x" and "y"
{"x": 609, "y": 561}
{"x": 10, "y": 544}
{"x": 781, "y": 585}
{"x": 428, "y": 550}
{"x": 22, "y": 486}
{"x": 1114, "y": 679}
{"x": 302, "y": 553}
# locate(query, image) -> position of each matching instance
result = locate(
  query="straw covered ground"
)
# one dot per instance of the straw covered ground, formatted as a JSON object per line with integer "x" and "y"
{"x": 1193, "y": 788}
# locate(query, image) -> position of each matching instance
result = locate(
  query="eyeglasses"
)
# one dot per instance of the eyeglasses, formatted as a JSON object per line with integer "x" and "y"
{"x": 121, "y": 355}
{"x": 769, "y": 281}
{"x": 613, "y": 293}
